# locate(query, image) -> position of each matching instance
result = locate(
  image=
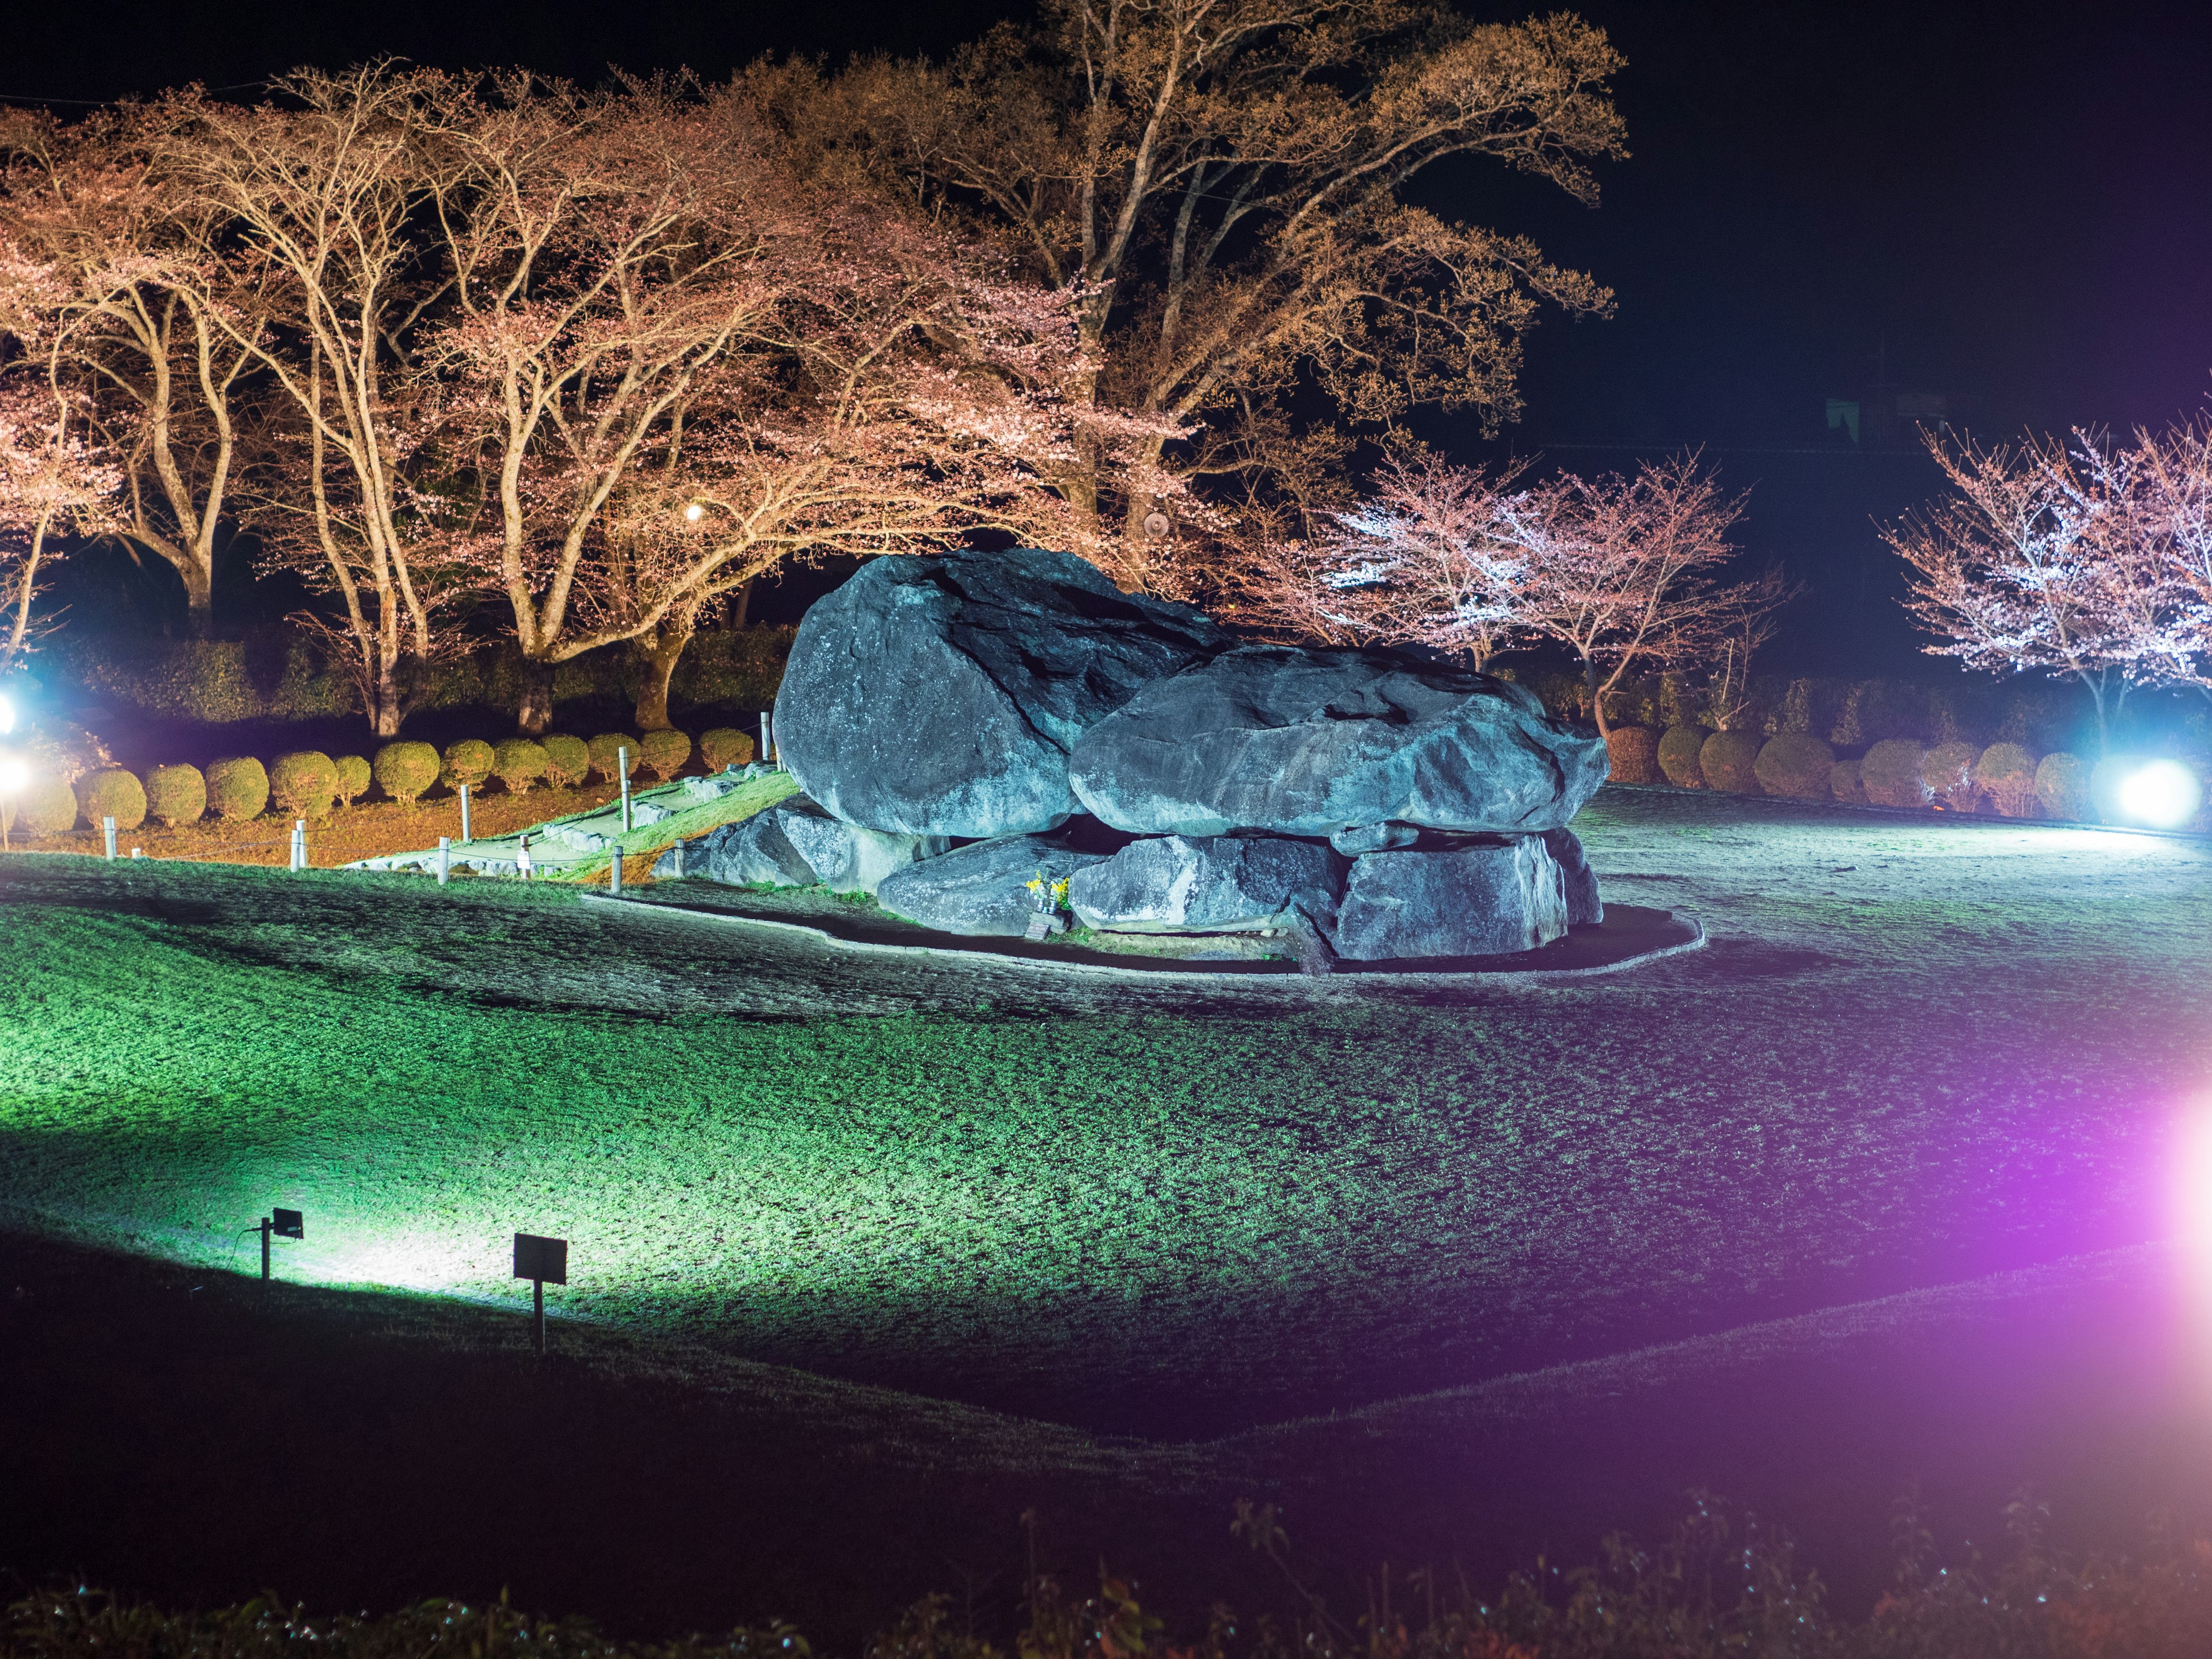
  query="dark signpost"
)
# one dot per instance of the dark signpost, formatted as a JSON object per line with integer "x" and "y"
{"x": 542, "y": 1261}
{"x": 281, "y": 1224}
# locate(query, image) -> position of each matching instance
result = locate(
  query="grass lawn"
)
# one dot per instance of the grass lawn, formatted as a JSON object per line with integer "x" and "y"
{"x": 1916, "y": 1053}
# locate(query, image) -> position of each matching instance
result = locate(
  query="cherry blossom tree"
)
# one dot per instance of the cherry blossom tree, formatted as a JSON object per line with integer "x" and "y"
{"x": 2171, "y": 475}
{"x": 55, "y": 484}
{"x": 2049, "y": 558}
{"x": 1223, "y": 186}
{"x": 129, "y": 319}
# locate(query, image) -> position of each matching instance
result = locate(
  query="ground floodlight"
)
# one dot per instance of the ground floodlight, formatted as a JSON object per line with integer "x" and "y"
{"x": 14, "y": 775}
{"x": 542, "y": 1261}
{"x": 2162, "y": 794}
{"x": 287, "y": 1223}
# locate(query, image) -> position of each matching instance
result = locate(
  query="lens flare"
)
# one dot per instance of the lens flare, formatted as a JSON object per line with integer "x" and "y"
{"x": 7, "y": 717}
{"x": 2161, "y": 795}
{"x": 14, "y": 775}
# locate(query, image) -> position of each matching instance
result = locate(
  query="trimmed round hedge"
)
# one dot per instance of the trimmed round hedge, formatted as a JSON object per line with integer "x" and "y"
{"x": 1890, "y": 771}
{"x": 353, "y": 777}
{"x": 404, "y": 770}
{"x": 111, "y": 793}
{"x": 1796, "y": 764}
{"x": 665, "y": 752}
{"x": 1844, "y": 783}
{"x": 1949, "y": 770}
{"x": 606, "y": 754}
{"x": 2006, "y": 774}
{"x": 1729, "y": 761}
{"x": 238, "y": 789}
{"x": 1678, "y": 755}
{"x": 2061, "y": 787}
{"x": 727, "y": 746}
{"x": 46, "y": 806}
{"x": 176, "y": 795}
{"x": 568, "y": 759}
{"x": 303, "y": 783}
{"x": 518, "y": 762}
{"x": 1632, "y": 752}
{"x": 468, "y": 762}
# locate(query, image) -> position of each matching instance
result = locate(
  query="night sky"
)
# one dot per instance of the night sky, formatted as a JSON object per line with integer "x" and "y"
{"x": 2011, "y": 209}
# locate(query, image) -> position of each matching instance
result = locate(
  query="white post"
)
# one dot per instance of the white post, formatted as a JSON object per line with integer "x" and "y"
{"x": 614, "y": 883}
{"x": 138, "y": 852}
{"x": 679, "y": 860}
{"x": 107, "y": 835}
{"x": 445, "y": 858}
{"x": 768, "y": 737}
{"x": 465, "y": 836}
{"x": 622, "y": 771}
{"x": 299, "y": 843}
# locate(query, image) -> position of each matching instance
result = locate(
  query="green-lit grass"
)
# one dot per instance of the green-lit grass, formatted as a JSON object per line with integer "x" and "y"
{"x": 1128, "y": 1207}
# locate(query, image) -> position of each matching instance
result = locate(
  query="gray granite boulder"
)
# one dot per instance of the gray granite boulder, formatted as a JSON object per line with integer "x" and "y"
{"x": 1485, "y": 899}
{"x": 1577, "y": 879}
{"x": 981, "y": 889}
{"x": 940, "y": 696}
{"x": 1303, "y": 742}
{"x": 1211, "y": 884}
{"x": 794, "y": 843}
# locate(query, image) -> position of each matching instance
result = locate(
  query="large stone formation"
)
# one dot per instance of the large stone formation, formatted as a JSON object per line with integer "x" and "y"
{"x": 1376, "y": 806}
{"x": 1366, "y": 747}
{"x": 941, "y": 695}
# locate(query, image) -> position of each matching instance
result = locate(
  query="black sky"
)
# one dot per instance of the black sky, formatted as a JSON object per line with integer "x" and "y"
{"x": 2017, "y": 203}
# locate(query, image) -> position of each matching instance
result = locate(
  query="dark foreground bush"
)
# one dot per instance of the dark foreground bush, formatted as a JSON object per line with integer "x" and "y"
{"x": 404, "y": 770}
{"x": 1723, "y": 1584}
{"x": 727, "y": 746}
{"x": 238, "y": 787}
{"x": 568, "y": 759}
{"x": 113, "y": 793}
{"x": 1729, "y": 761}
{"x": 1633, "y": 752}
{"x": 175, "y": 795}
{"x": 1678, "y": 755}
{"x": 1796, "y": 764}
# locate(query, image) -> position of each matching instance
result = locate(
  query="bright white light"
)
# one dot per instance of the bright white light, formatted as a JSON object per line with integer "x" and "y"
{"x": 694, "y": 513}
{"x": 2161, "y": 795}
{"x": 7, "y": 717}
{"x": 14, "y": 775}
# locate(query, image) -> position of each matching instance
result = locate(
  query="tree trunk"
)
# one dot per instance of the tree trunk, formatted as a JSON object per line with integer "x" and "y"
{"x": 660, "y": 652}
{"x": 391, "y": 696}
{"x": 1597, "y": 701}
{"x": 745, "y": 603}
{"x": 534, "y": 717}
{"x": 199, "y": 600}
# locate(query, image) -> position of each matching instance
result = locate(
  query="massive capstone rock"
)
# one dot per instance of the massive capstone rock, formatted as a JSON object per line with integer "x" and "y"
{"x": 1324, "y": 742}
{"x": 1478, "y": 899}
{"x": 1211, "y": 884}
{"x": 981, "y": 889}
{"x": 794, "y": 843}
{"x": 940, "y": 695}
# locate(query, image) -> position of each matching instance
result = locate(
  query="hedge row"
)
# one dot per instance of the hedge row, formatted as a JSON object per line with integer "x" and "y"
{"x": 2004, "y": 778}
{"x": 307, "y": 784}
{"x": 276, "y": 675}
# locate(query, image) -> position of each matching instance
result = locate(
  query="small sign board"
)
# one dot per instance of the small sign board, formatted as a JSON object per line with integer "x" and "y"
{"x": 545, "y": 1259}
{"x": 287, "y": 1223}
